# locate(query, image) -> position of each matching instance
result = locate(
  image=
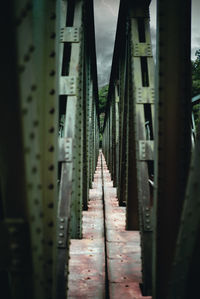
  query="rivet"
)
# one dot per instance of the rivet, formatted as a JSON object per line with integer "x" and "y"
{"x": 53, "y": 16}
{"x": 53, "y": 35}
{"x": 52, "y": 73}
{"x": 31, "y": 48}
{"x": 51, "y": 111}
{"x": 52, "y": 92}
{"x": 33, "y": 87}
{"x": 52, "y": 54}
{"x": 51, "y": 149}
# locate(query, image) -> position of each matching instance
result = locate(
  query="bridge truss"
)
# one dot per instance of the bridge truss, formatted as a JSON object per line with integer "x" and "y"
{"x": 49, "y": 134}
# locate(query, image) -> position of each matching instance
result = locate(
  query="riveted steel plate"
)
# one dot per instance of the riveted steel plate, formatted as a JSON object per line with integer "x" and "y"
{"x": 142, "y": 50}
{"x": 68, "y": 85}
{"x": 147, "y": 218}
{"x": 70, "y": 34}
{"x": 17, "y": 230}
{"x": 65, "y": 150}
{"x": 146, "y": 150}
{"x": 62, "y": 232}
{"x": 144, "y": 95}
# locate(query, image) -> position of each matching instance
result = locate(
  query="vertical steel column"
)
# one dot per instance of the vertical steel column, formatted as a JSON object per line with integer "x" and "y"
{"x": 73, "y": 126}
{"x": 16, "y": 178}
{"x": 120, "y": 130}
{"x": 132, "y": 204}
{"x": 184, "y": 282}
{"x": 123, "y": 176}
{"x": 111, "y": 139}
{"x": 173, "y": 134}
{"x": 116, "y": 177}
{"x": 113, "y": 128}
{"x": 65, "y": 144}
{"x": 46, "y": 21}
{"x": 87, "y": 79}
{"x": 142, "y": 89}
{"x": 29, "y": 219}
{"x": 90, "y": 143}
{"x": 92, "y": 140}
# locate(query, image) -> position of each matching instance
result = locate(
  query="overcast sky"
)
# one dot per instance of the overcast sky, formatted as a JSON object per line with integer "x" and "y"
{"x": 106, "y": 12}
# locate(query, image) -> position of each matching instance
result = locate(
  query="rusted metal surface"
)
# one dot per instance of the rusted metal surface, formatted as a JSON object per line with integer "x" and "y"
{"x": 87, "y": 256}
{"x": 128, "y": 290}
{"x": 123, "y": 247}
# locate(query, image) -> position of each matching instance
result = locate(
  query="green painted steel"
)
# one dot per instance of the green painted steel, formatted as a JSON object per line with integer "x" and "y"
{"x": 51, "y": 107}
{"x": 29, "y": 186}
{"x": 173, "y": 135}
{"x": 79, "y": 110}
{"x": 185, "y": 267}
{"x": 128, "y": 127}
{"x": 49, "y": 132}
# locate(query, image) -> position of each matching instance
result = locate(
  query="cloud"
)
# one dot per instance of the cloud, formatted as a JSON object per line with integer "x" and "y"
{"x": 106, "y": 12}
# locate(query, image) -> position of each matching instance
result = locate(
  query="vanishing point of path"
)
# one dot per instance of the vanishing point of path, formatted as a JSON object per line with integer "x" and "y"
{"x": 106, "y": 262}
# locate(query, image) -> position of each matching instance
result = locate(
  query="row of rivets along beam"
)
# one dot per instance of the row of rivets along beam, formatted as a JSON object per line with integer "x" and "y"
{"x": 69, "y": 205}
{"x": 44, "y": 122}
{"x": 78, "y": 126}
{"x": 173, "y": 141}
{"x": 29, "y": 149}
{"x": 128, "y": 141}
{"x": 142, "y": 94}
{"x": 152, "y": 153}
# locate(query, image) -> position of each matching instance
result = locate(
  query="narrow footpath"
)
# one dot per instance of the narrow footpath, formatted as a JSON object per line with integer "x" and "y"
{"x": 106, "y": 262}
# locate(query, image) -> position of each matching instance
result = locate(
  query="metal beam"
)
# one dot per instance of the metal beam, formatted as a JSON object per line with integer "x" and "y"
{"x": 173, "y": 133}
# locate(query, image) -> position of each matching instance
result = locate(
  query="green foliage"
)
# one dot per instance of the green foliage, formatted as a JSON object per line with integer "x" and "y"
{"x": 103, "y": 92}
{"x": 196, "y": 75}
{"x": 196, "y": 85}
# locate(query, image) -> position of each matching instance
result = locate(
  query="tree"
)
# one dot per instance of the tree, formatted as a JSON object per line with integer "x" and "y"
{"x": 196, "y": 85}
{"x": 196, "y": 74}
{"x": 103, "y": 93}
